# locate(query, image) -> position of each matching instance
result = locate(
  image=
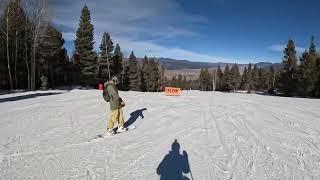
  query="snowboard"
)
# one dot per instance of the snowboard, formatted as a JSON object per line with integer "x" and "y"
{"x": 103, "y": 135}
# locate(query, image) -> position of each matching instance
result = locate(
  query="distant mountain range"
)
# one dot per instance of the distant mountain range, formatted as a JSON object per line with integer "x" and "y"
{"x": 173, "y": 64}
{"x": 191, "y": 69}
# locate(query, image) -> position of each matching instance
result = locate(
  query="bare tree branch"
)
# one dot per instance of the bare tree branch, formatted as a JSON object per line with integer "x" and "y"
{"x": 37, "y": 18}
{"x": 3, "y": 31}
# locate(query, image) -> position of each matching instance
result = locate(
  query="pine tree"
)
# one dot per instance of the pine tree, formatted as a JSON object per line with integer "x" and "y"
{"x": 302, "y": 87}
{"x": 288, "y": 81}
{"x": 155, "y": 75}
{"x": 308, "y": 70}
{"x": 234, "y": 78}
{"x": 312, "y": 48}
{"x": 205, "y": 80}
{"x": 255, "y": 78}
{"x": 151, "y": 74}
{"x": 134, "y": 75}
{"x": 140, "y": 77}
{"x": 317, "y": 88}
{"x": 106, "y": 64}
{"x": 51, "y": 53}
{"x": 227, "y": 79}
{"x": 220, "y": 79}
{"x": 244, "y": 80}
{"x": 126, "y": 80}
{"x": 208, "y": 80}
{"x": 250, "y": 81}
{"x": 145, "y": 74}
{"x": 63, "y": 69}
{"x": 118, "y": 65}
{"x": 272, "y": 80}
{"x": 162, "y": 77}
{"x": 262, "y": 79}
{"x": 84, "y": 49}
{"x": 148, "y": 74}
{"x": 117, "y": 60}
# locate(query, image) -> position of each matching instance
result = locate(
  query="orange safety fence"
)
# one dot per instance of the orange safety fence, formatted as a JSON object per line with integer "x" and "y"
{"x": 171, "y": 91}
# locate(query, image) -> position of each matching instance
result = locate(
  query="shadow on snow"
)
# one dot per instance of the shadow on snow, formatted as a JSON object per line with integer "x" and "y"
{"x": 134, "y": 116}
{"x": 29, "y": 96}
{"x": 174, "y": 165}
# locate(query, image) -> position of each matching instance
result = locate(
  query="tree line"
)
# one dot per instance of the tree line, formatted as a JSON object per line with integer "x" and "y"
{"x": 93, "y": 68}
{"x": 300, "y": 77}
{"x": 252, "y": 78}
{"x": 32, "y": 54}
{"x": 182, "y": 82}
{"x": 31, "y": 48}
{"x": 295, "y": 77}
{"x": 230, "y": 79}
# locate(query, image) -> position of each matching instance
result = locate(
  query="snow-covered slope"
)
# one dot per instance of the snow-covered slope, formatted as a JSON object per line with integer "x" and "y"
{"x": 49, "y": 135}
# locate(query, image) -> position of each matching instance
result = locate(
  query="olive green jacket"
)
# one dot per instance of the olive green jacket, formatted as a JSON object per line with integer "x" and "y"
{"x": 115, "y": 100}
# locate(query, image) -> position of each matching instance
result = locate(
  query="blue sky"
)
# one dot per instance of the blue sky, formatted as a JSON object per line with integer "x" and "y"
{"x": 208, "y": 30}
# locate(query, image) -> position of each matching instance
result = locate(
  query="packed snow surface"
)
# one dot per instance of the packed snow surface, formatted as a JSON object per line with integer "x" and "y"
{"x": 50, "y": 135}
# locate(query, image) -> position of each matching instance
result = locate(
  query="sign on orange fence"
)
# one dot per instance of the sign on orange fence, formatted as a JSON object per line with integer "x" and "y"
{"x": 171, "y": 91}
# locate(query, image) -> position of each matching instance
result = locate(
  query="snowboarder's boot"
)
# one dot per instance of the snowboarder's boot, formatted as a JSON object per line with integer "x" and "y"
{"x": 121, "y": 129}
{"x": 110, "y": 132}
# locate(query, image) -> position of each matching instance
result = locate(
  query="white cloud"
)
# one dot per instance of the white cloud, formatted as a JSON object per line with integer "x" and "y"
{"x": 151, "y": 49}
{"x": 127, "y": 18}
{"x": 136, "y": 25}
{"x": 142, "y": 48}
{"x": 281, "y": 47}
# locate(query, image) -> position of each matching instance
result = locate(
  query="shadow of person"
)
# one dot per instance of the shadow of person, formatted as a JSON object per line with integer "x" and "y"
{"x": 174, "y": 165}
{"x": 28, "y": 96}
{"x": 134, "y": 116}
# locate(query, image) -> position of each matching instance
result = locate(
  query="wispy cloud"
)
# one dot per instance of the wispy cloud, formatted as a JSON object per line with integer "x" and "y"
{"x": 151, "y": 49}
{"x": 281, "y": 47}
{"x": 136, "y": 25}
{"x": 132, "y": 19}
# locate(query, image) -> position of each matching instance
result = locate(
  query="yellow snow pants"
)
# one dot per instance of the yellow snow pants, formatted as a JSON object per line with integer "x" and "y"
{"x": 116, "y": 117}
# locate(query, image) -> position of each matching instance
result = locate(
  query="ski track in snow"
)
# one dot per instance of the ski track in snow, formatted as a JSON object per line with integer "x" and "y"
{"x": 226, "y": 136}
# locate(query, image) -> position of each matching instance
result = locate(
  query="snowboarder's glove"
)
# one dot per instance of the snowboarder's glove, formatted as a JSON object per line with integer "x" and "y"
{"x": 122, "y": 102}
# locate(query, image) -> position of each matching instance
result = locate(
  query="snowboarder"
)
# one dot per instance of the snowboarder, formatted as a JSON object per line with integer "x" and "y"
{"x": 116, "y": 104}
{"x": 174, "y": 164}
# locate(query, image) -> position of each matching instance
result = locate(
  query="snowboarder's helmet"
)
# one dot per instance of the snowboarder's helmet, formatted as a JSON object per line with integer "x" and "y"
{"x": 115, "y": 79}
